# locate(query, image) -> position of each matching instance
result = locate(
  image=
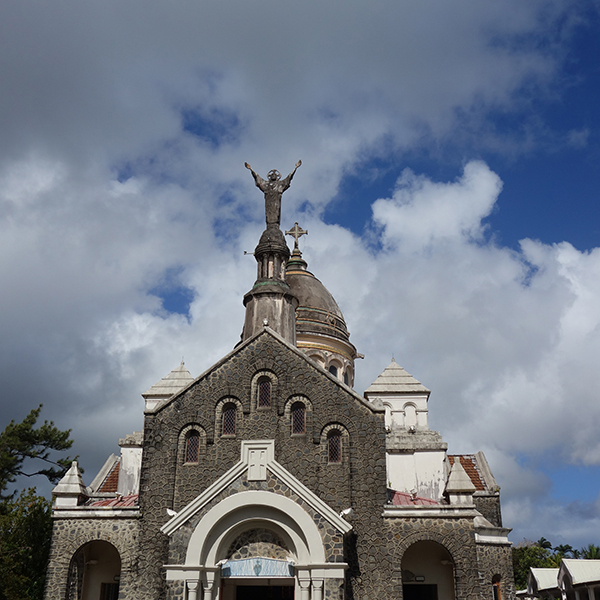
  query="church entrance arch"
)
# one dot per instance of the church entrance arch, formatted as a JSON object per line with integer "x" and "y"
{"x": 427, "y": 572}
{"x": 256, "y": 544}
{"x": 94, "y": 572}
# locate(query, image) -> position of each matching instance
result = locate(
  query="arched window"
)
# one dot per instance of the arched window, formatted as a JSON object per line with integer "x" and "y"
{"x": 333, "y": 370}
{"x": 298, "y": 418}
{"x": 192, "y": 446}
{"x": 496, "y": 588}
{"x": 229, "y": 419}
{"x": 334, "y": 446}
{"x": 264, "y": 392}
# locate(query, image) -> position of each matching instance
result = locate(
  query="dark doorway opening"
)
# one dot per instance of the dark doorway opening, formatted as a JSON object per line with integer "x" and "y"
{"x": 420, "y": 591}
{"x": 265, "y": 592}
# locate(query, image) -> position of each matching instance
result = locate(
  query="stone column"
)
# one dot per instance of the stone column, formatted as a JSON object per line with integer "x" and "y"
{"x": 317, "y": 589}
{"x": 192, "y": 587}
{"x": 209, "y": 579}
{"x": 304, "y": 581}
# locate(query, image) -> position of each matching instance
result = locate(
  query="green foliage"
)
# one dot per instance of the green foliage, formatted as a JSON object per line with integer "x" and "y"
{"x": 591, "y": 551}
{"x": 541, "y": 555}
{"x": 25, "y": 531}
{"x": 25, "y": 520}
{"x": 22, "y": 441}
{"x": 525, "y": 557}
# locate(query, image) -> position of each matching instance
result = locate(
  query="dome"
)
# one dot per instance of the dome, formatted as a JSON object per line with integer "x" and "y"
{"x": 321, "y": 331}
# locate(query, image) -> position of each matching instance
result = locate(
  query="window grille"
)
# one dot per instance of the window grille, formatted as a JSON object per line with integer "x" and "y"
{"x": 298, "y": 418}
{"x": 192, "y": 447}
{"x": 334, "y": 447}
{"x": 264, "y": 392}
{"x": 229, "y": 419}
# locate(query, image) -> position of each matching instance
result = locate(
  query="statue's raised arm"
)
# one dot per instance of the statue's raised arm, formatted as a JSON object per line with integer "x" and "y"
{"x": 286, "y": 182}
{"x": 260, "y": 182}
{"x": 273, "y": 189}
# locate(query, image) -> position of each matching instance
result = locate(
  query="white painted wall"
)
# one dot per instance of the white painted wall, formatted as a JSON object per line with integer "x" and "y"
{"x": 423, "y": 471}
{"x": 129, "y": 471}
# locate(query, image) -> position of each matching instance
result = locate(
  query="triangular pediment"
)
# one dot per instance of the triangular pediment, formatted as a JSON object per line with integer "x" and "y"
{"x": 257, "y": 459}
{"x": 241, "y": 348}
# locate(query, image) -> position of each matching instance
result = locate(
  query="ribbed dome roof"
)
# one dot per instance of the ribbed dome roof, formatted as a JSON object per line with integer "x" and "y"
{"x": 317, "y": 310}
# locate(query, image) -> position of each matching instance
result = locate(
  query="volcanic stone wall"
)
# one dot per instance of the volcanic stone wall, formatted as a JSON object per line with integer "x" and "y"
{"x": 359, "y": 480}
{"x": 69, "y": 535}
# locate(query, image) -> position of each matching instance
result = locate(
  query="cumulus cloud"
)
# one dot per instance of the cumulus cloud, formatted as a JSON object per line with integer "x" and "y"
{"x": 125, "y": 128}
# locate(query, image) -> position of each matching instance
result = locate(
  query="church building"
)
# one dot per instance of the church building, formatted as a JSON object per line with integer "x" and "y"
{"x": 270, "y": 477}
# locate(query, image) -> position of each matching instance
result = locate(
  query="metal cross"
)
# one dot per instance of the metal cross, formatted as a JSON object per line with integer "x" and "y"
{"x": 296, "y": 232}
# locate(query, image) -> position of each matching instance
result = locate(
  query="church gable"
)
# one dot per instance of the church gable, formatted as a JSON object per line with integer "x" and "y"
{"x": 265, "y": 389}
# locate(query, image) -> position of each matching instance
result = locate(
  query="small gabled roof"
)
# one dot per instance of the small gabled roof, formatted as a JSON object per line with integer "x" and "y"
{"x": 582, "y": 571}
{"x": 395, "y": 380}
{"x": 176, "y": 380}
{"x": 542, "y": 579}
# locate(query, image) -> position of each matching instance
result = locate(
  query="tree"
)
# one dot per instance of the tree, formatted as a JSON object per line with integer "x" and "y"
{"x": 25, "y": 521}
{"x": 527, "y": 556}
{"x": 22, "y": 441}
{"x": 591, "y": 551}
{"x": 25, "y": 532}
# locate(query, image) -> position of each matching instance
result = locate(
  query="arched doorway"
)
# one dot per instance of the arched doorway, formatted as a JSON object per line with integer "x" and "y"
{"x": 94, "y": 572}
{"x": 258, "y": 539}
{"x": 427, "y": 572}
{"x": 258, "y": 565}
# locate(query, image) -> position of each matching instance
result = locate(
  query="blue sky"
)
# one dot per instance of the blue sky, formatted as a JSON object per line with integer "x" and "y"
{"x": 450, "y": 177}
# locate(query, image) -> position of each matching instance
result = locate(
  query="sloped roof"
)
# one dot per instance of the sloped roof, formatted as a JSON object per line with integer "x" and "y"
{"x": 176, "y": 380}
{"x": 405, "y": 499}
{"x": 118, "y": 502}
{"x": 395, "y": 380}
{"x": 582, "y": 570}
{"x": 543, "y": 579}
{"x": 111, "y": 481}
{"x": 469, "y": 464}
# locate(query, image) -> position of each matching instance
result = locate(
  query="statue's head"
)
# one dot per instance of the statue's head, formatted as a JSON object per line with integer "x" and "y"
{"x": 274, "y": 175}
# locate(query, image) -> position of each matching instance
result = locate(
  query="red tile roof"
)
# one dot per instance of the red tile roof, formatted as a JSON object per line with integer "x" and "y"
{"x": 404, "y": 499}
{"x": 118, "y": 502}
{"x": 470, "y": 466}
{"x": 112, "y": 479}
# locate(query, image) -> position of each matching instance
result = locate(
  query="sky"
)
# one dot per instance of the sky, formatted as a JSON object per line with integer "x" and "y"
{"x": 450, "y": 177}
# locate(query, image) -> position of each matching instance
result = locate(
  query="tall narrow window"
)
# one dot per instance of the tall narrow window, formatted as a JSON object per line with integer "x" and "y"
{"x": 333, "y": 370}
{"x": 264, "y": 392}
{"x": 229, "y": 419}
{"x": 298, "y": 418}
{"x": 496, "y": 587}
{"x": 334, "y": 447}
{"x": 192, "y": 447}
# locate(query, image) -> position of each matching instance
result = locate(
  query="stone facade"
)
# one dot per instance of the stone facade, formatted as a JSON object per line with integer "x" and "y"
{"x": 70, "y": 535}
{"x": 270, "y": 457}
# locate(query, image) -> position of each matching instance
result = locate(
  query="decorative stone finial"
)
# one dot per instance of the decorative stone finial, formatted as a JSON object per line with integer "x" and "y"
{"x": 296, "y": 232}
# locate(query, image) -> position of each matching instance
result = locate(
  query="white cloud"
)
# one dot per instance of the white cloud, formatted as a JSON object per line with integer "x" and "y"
{"x": 95, "y": 92}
